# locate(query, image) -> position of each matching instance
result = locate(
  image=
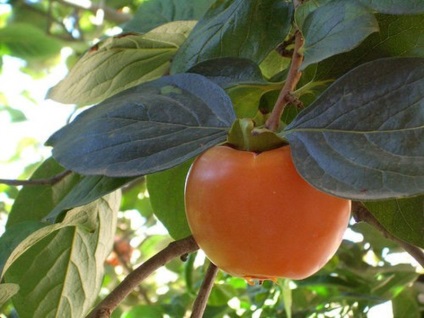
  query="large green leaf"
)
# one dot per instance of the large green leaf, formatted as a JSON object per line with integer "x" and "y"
{"x": 166, "y": 191}
{"x": 241, "y": 78}
{"x": 153, "y": 13}
{"x": 88, "y": 189}
{"x": 7, "y": 291}
{"x": 396, "y": 6}
{"x": 404, "y": 218}
{"x": 25, "y": 41}
{"x": 362, "y": 138}
{"x": 236, "y": 28}
{"x": 34, "y": 202}
{"x": 335, "y": 27}
{"x": 148, "y": 128}
{"x": 398, "y": 36}
{"x": 62, "y": 273}
{"x": 121, "y": 62}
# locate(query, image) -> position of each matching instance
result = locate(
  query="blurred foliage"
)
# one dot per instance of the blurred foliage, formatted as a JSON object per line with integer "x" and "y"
{"x": 357, "y": 278}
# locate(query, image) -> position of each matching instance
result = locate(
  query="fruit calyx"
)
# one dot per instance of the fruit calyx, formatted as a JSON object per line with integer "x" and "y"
{"x": 244, "y": 135}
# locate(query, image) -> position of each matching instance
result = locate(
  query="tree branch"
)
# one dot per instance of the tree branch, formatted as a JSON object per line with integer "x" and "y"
{"x": 175, "y": 249}
{"x": 361, "y": 213}
{"x": 36, "y": 182}
{"x": 292, "y": 79}
{"x": 199, "y": 305}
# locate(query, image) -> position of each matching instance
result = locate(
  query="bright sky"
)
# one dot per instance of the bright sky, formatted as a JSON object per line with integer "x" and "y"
{"x": 44, "y": 116}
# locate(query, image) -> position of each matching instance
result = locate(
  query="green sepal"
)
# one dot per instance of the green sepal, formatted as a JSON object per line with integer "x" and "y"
{"x": 244, "y": 135}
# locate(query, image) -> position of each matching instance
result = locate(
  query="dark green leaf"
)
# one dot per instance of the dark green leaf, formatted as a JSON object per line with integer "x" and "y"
{"x": 35, "y": 202}
{"x": 396, "y": 6}
{"x": 362, "y": 138}
{"x": 166, "y": 191}
{"x": 230, "y": 71}
{"x": 153, "y": 13}
{"x": 236, "y": 28}
{"x": 61, "y": 275}
{"x": 119, "y": 63}
{"x": 88, "y": 189}
{"x": 242, "y": 80}
{"x": 147, "y": 128}
{"x": 404, "y": 218}
{"x": 398, "y": 36}
{"x": 335, "y": 27}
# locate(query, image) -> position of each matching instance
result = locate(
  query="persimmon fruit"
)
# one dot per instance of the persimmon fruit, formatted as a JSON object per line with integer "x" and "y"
{"x": 255, "y": 217}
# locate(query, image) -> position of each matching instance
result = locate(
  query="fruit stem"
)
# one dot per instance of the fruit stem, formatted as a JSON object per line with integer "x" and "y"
{"x": 293, "y": 77}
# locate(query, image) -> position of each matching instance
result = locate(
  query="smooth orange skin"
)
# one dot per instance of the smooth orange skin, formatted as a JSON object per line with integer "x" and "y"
{"x": 255, "y": 217}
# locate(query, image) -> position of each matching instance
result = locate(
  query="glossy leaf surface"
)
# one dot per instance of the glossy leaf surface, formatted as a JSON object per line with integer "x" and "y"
{"x": 145, "y": 129}
{"x": 335, "y": 27}
{"x": 362, "y": 138}
{"x": 241, "y": 78}
{"x": 237, "y": 28}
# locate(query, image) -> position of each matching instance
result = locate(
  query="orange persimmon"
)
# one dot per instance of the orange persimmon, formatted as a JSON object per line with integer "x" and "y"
{"x": 255, "y": 217}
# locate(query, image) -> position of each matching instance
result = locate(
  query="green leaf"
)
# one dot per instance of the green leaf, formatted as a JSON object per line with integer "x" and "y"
{"x": 32, "y": 233}
{"x": 372, "y": 236}
{"x": 166, "y": 191}
{"x": 153, "y": 13}
{"x": 404, "y": 218}
{"x": 121, "y": 62}
{"x": 242, "y": 79}
{"x": 25, "y": 41}
{"x": 335, "y": 27}
{"x": 151, "y": 311}
{"x": 362, "y": 138}
{"x": 244, "y": 136}
{"x": 393, "y": 281}
{"x": 236, "y": 28}
{"x": 34, "y": 202}
{"x": 145, "y": 129}
{"x": 61, "y": 275}
{"x": 14, "y": 236}
{"x": 14, "y": 114}
{"x": 406, "y": 302}
{"x": 398, "y": 36}
{"x": 88, "y": 189}
{"x": 396, "y": 6}
{"x": 229, "y": 71}
{"x": 7, "y": 291}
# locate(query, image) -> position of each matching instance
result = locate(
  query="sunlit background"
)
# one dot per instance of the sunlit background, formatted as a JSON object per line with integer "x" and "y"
{"x": 32, "y": 119}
